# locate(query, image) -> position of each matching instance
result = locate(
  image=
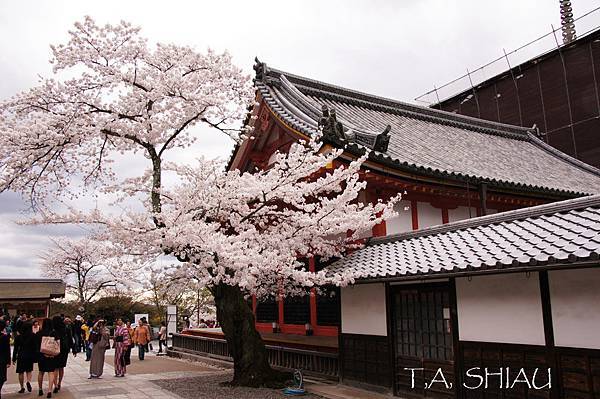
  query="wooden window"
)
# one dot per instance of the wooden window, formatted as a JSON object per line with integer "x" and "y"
{"x": 328, "y": 306}
{"x": 267, "y": 310}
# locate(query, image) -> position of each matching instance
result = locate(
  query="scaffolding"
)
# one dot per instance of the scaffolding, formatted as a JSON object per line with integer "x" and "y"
{"x": 586, "y": 23}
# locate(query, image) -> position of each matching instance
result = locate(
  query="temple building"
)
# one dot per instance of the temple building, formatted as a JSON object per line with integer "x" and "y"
{"x": 483, "y": 244}
{"x": 30, "y": 296}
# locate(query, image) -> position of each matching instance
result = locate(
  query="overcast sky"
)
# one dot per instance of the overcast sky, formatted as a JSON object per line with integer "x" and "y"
{"x": 397, "y": 48}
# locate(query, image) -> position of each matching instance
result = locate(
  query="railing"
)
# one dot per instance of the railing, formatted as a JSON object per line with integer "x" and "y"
{"x": 311, "y": 362}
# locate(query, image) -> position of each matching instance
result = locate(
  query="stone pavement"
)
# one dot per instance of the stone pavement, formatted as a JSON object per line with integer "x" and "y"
{"x": 135, "y": 385}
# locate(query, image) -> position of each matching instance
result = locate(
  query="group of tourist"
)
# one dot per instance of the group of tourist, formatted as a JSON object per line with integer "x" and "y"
{"x": 29, "y": 340}
{"x": 125, "y": 338}
{"x": 49, "y": 342}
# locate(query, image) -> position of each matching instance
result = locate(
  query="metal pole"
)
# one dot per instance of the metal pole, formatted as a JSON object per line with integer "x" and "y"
{"x": 474, "y": 94}
{"x": 516, "y": 87}
{"x": 562, "y": 59}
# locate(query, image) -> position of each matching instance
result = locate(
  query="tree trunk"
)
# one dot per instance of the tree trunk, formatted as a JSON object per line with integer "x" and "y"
{"x": 250, "y": 361}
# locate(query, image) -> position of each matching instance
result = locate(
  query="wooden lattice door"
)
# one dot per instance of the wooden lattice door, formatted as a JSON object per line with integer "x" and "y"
{"x": 423, "y": 339}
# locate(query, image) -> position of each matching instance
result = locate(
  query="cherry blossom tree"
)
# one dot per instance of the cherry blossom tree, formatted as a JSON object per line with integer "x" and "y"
{"x": 88, "y": 267}
{"x": 237, "y": 233}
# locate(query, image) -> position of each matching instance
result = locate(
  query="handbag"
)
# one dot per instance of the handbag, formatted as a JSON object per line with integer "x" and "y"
{"x": 119, "y": 338}
{"x": 50, "y": 346}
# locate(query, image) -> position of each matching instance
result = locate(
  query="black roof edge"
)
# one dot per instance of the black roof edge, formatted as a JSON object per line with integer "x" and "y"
{"x": 500, "y": 217}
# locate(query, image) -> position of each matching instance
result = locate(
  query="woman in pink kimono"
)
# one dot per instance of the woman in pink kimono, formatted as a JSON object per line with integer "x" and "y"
{"x": 122, "y": 342}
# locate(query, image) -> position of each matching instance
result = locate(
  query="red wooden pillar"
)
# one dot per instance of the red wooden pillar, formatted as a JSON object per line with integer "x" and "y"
{"x": 280, "y": 307}
{"x": 414, "y": 214}
{"x": 445, "y": 217}
{"x": 254, "y": 305}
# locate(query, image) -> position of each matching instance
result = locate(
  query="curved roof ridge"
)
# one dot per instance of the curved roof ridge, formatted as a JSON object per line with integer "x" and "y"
{"x": 565, "y": 157}
{"x": 500, "y": 217}
{"x": 350, "y": 94}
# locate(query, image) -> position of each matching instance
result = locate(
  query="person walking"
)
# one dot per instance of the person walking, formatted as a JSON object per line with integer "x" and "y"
{"x": 4, "y": 353}
{"x": 46, "y": 363}
{"x": 87, "y": 329}
{"x": 142, "y": 338}
{"x": 131, "y": 343}
{"x": 121, "y": 343}
{"x": 63, "y": 332}
{"x": 162, "y": 337}
{"x": 25, "y": 353}
{"x": 100, "y": 342}
{"x": 77, "y": 333}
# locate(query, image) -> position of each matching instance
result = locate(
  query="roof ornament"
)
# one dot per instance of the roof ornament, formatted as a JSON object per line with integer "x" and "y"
{"x": 383, "y": 140}
{"x": 330, "y": 126}
{"x": 334, "y": 130}
{"x": 260, "y": 68}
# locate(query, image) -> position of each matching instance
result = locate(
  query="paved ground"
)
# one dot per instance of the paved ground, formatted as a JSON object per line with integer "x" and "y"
{"x": 137, "y": 384}
{"x": 161, "y": 377}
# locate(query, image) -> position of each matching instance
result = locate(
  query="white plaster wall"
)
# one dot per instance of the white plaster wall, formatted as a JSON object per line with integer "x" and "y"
{"x": 428, "y": 215}
{"x": 575, "y": 302}
{"x": 363, "y": 309}
{"x": 502, "y": 308}
{"x": 461, "y": 213}
{"x": 402, "y": 222}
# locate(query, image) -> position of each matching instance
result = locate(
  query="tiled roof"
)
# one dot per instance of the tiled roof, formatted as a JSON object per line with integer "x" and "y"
{"x": 428, "y": 141}
{"x": 560, "y": 233}
{"x": 13, "y": 289}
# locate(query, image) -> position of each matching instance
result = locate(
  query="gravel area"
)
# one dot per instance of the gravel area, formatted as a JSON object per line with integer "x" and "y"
{"x": 208, "y": 387}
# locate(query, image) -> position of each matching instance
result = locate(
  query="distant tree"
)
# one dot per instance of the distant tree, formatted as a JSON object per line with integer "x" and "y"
{"x": 112, "y": 307}
{"x": 189, "y": 295}
{"x": 89, "y": 268}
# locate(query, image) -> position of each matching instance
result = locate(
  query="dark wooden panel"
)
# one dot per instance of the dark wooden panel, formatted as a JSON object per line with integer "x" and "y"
{"x": 495, "y": 356}
{"x": 582, "y": 92}
{"x": 488, "y": 103}
{"x": 555, "y": 93}
{"x": 562, "y": 139}
{"x": 328, "y": 307}
{"x": 531, "y": 99}
{"x": 267, "y": 311}
{"x": 296, "y": 310}
{"x": 587, "y": 137}
{"x": 578, "y": 373}
{"x": 366, "y": 359}
{"x": 507, "y": 101}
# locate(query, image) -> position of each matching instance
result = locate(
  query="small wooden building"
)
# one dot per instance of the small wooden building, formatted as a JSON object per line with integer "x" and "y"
{"x": 31, "y": 296}
{"x": 472, "y": 272}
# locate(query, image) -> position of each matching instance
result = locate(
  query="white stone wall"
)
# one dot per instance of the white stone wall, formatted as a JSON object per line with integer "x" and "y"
{"x": 428, "y": 215}
{"x": 503, "y": 308}
{"x": 575, "y": 301}
{"x": 460, "y": 213}
{"x": 402, "y": 222}
{"x": 364, "y": 309}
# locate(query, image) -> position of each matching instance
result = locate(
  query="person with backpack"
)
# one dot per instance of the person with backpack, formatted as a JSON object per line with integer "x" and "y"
{"x": 49, "y": 349}
{"x": 63, "y": 332}
{"x": 100, "y": 342}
